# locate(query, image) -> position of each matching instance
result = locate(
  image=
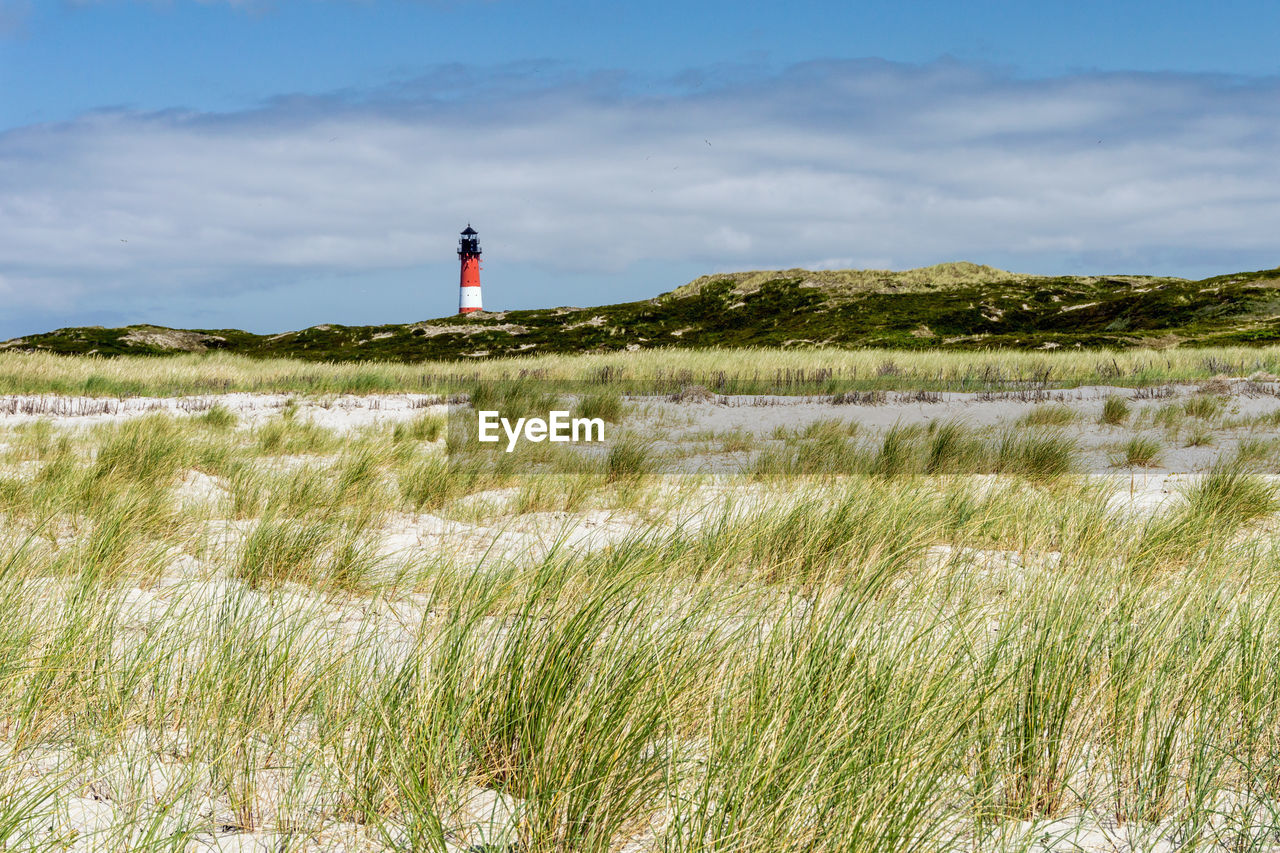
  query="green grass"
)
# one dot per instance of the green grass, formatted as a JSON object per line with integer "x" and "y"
{"x": 1232, "y": 494}
{"x": 514, "y": 398}
{"x": 219, "y": 417}
{"x": 1200, "y": 437}
{"x": 1168, "y": 415}
{"x": 287, "y": 436}
{"x": 952, "y": 449}
{"x": 738, "y": 441}
{"x": 151, "y": 448}
{"x": 1036, "y": 455}
{"x": 1204, "y": 406}
{"x": 433, "y": 482}
{"x": 628, "y": 460}
{"x": 1257, "y": 451}
{"x": 422, "y": 428}
{"x": 604, "y": 405}
{"x": 1115, "y": 411}
{"x": 276, "y": 552}
{"x": 1139, "y": 451}
{"x": 941, "y": 448}
{"x": 1055, "y": 414}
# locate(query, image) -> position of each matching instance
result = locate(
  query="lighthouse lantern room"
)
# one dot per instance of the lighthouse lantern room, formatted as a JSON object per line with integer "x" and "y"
{"x": 469, "y": 255}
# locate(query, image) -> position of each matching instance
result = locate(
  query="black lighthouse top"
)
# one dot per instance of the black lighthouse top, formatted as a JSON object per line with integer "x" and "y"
{"x": 469, "y": 242}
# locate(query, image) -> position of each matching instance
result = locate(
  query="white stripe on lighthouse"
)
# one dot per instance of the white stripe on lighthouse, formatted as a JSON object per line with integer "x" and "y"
{"x": 469, "y": 299}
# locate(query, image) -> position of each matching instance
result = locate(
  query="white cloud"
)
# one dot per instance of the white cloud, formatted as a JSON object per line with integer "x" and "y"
{"x": 869, "y": 159}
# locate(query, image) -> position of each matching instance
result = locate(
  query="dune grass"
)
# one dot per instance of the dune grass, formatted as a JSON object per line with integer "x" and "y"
{"x": 878, "y": 651}
{"x": 1139, "y": 451}
{"x": 942, "y": 447}
{"x": 1115, "y": 411}
{"x": 742, "y": 370}
{"x": 1049, "y": 414}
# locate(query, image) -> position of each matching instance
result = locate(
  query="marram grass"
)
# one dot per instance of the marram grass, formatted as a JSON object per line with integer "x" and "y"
{"x": 889, "y": 655}
{"x": 746, "y": 369}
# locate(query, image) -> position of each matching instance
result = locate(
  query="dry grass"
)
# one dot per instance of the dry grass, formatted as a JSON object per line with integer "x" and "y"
{"x": 784, "y": 371}
{"x": 860, "y": 281}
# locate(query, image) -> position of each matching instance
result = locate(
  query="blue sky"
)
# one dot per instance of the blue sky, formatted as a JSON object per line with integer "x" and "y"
{"x": 271, "y": 164}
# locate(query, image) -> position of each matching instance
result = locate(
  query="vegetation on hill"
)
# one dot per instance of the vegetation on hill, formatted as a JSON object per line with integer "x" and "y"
{"x": 949, "y": 306}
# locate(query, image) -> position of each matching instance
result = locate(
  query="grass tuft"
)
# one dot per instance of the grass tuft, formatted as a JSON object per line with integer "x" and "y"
{"x": 605, "y": 405}
{"x": 1203, "y": 406}
{"x": 1039, "y": 456}
{"x": 219, "y": 417}
{"x": 628, "y": 460}
{"x": 422, "y": 428}
{"x": 1140, "y": 451}
{"x": 1231, "y": 493}
{"x": 1115, "y": 411}
{"x": 1049, "y": 415}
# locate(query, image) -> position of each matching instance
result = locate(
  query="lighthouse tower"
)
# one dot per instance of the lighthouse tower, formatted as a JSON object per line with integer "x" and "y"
{"x": 469, "y": 254}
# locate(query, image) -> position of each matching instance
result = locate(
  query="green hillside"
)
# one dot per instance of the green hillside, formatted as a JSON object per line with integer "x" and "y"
{"x": 949, "y": 306}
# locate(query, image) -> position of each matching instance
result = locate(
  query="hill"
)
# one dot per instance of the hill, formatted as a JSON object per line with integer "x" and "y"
{"x": 948, "y": 306}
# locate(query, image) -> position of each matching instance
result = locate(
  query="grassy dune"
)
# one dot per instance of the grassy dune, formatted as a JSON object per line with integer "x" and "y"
{"x": 939, "y": 639}
{"x": 956, "y": 306}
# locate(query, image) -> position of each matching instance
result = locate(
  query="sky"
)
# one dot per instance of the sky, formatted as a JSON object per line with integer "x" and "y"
{"x": 273, "y": 164}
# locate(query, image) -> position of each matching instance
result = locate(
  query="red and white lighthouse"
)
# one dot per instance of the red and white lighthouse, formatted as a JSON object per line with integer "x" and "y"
{"x": 469, "y": 254}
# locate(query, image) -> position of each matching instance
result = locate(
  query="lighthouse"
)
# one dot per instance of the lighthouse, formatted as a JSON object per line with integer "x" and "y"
{"x": 469, "y": 255}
